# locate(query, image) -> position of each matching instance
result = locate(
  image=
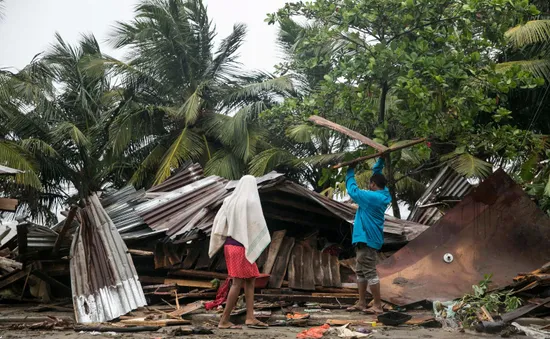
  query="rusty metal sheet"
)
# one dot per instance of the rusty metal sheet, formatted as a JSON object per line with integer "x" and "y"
{"x": 496, "y": 229}
{"x": 104, "y": 281}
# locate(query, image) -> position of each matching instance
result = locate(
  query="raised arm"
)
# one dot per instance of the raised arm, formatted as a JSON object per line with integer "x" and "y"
{"x": 362, "y": 197}
{"x": 379, "y": 166}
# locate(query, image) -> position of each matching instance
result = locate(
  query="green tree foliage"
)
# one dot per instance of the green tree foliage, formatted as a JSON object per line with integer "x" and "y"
{"x": 190, "y": 100}
{"x": 431, "y": 67}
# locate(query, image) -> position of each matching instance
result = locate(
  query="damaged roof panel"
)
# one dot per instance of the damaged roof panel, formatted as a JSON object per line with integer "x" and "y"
{"x": 496, "y": 229}
{"x": 104, "y": 280}
{"x": 447, "y": 188}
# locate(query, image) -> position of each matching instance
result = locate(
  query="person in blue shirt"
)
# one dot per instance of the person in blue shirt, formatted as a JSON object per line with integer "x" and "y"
{"x": 368, "y": 233}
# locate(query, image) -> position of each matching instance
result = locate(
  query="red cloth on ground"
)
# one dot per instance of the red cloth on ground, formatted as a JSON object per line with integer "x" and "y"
{"x": 237, "y": 264}
{"x": 221, "y": 296}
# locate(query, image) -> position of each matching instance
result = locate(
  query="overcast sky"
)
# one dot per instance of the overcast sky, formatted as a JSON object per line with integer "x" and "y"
{"x": 29, "y": 26}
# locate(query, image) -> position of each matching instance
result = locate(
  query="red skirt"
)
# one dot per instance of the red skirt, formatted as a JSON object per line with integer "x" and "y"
{"x": 237, "y": 264}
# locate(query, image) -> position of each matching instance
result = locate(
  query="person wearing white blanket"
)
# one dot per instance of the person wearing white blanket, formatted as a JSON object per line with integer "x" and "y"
{"x": 240, "y": 228}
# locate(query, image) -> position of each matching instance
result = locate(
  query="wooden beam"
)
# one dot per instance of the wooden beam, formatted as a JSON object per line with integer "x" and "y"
{"x": 8, "y": 205}
{"x": 64, "y": 229}
{"x": 379, "y": 154}
{"x": 13, "y": 277}
{"x": 53, "y": 282}
{"x": 199, "y": 274}
{"x": 189, "y": 283}
{"x": 344, "y": 130}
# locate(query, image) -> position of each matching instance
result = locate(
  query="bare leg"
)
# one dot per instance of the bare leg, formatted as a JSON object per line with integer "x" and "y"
{"x": 232, "y": 297}
{"x": 377, "y": 302}
{"x": 249, "y": 296}
{"x": 362, "y": 303}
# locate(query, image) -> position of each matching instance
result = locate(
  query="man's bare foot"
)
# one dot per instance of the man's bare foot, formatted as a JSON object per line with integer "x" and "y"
{"x": 357, "y": 308}
{"x": 255, "y": 323}
{"x": 227, "y": 325}
{"x": 378, "y": 309}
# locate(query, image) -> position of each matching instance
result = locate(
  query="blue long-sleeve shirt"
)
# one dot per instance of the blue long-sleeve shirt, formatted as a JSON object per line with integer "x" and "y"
{"x": 368, "y": 227}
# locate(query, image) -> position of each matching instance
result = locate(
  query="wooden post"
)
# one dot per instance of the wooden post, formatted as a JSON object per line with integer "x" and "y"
{"x": 64, "y": 229}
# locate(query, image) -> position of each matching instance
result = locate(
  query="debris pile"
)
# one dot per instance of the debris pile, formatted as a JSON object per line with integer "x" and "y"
{"x": 130, "y": 248}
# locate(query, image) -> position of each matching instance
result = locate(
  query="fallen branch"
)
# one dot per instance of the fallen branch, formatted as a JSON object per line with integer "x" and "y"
{"x": 344, "y": 130}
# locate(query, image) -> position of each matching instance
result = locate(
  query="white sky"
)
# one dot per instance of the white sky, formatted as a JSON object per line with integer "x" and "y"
{"x": 29, "y": 26}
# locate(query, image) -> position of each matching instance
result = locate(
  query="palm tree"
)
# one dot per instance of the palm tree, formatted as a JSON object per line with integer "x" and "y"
{"x": 190, "y": 101}
{"x": 58, "y": 115}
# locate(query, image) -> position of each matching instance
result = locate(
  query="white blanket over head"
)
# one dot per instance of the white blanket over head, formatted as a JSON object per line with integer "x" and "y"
{"x": 241, "y": 218}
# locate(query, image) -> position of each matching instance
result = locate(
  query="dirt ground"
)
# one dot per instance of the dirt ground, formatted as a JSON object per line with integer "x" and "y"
{"x": 272, "y": 333}
{"x": 8, "y": 312}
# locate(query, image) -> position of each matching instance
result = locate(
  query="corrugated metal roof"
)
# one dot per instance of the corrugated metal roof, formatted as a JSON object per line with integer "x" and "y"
{"x": 183, "y": 212}
{"x": 446, "y": 189}
{"x": 8, "y": 170}
{"x": 104, "y": 281}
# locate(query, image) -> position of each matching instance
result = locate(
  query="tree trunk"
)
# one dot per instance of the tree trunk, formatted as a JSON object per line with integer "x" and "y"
{"x": 382, "y": 105}
{"x": 391, "y": 188}
{"x": 389, "y": 169}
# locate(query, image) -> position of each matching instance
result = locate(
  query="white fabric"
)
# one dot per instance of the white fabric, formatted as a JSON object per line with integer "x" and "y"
{"x": 241, "y": 218}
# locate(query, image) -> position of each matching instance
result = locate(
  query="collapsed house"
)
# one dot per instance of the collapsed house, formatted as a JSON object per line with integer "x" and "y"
{"x": 166, "y": 229}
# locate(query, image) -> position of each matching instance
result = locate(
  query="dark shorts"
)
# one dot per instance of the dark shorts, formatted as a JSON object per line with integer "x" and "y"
{"x": 366, "y": 264}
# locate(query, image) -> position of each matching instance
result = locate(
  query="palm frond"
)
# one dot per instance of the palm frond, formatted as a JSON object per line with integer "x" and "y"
{"x": 225, "y": 164}
{"x": 301, "y": 133}
{"x": 13, "y": 156}
{"x": 69, "y": 131}
{"x": 469, "y": 166}
{"x": 191, "y": 109}
{"x": 532, "y": 32}
{"x": 187, "y": 146}
{"x": 37, "y": 146}
{"x": 268, "y": 160}
{"x": 538, "y": 67}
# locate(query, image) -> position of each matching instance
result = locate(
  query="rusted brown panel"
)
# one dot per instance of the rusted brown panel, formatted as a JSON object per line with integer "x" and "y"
{"x": 496, "y": 229}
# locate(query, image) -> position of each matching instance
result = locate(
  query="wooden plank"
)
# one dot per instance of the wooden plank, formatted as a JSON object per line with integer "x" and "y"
{"x": 197, "y": 305}
{"x": 188, "y": 283}
{"x": 199, "y": 274}
{"x": 281, "y": 263}
{"x": 8, "y": 205}
{"x": 64, "y": 229}
{"x": 9, "y": 264}
{"x": 379, "y": 154}
{"x": 300, "y": 269}
{"x": 262, "y": 259}
{"x": 160, "y": 322}
{"x": 203, "y": 262}
{"x": 13, "y": 277}
{"x": 141, "y": 253}
{"x": 274, "y": 247}
{"x": 193, "y": 254}
{"x": 344, "y": 130}
{"x": 306, "y": 298}
{"x": 335, "y": 280}
{"x": 294, "y": 273}
{"x": 520, "y": 312}
{"x": 325, "y": 266}
{"x": 317, "y": 268}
